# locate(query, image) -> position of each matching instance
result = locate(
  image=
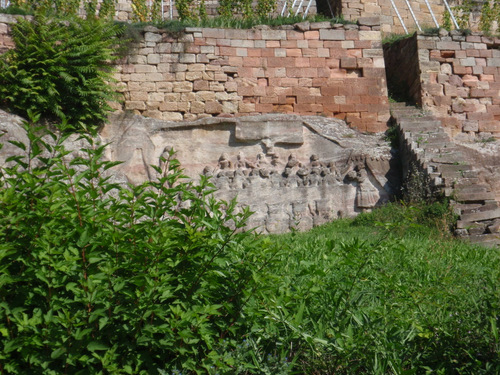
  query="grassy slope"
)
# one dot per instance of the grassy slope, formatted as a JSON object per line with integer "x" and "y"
{"x": 387, "y": 293}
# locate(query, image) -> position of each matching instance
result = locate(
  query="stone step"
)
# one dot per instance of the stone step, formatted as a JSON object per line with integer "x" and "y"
{"x": 488, "y": 240}
{"x": 417, "y": 126}
{"x": 445, "y": 158}
{"x": 474, "y": 197}
{"x": 464, "y": 182}
{"x": 478, "y": 216}
{"x": 468, "y": 208}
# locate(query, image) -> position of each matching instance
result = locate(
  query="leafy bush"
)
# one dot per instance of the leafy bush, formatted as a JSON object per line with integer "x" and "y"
{"x": 98, "y": 278}
{"x": 60, "y": 69}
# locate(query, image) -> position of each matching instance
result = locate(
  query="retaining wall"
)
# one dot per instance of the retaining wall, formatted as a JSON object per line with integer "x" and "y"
{"x": 309, "y": 69}
{"x": 458, "y": 80}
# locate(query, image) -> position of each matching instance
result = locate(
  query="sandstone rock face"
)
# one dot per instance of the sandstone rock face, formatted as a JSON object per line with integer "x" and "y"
{"x": 292, "y": 171}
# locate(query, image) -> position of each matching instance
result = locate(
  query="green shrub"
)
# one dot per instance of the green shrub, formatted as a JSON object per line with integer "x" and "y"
{"x": 60, "y": 69}
{"x": 96, "y": 278}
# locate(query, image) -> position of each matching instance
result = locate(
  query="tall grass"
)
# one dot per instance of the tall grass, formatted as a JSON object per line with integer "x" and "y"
{"x": 386, "y": 295}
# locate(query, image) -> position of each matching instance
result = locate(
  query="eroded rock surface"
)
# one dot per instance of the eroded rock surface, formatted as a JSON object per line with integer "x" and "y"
{"x": 292, "y": 171}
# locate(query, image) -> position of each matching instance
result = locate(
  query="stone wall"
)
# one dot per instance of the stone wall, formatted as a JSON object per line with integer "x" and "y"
{"x": 6, "y": 20}
{"x": 460, "y": 78}
{"x": 307, "y": 69}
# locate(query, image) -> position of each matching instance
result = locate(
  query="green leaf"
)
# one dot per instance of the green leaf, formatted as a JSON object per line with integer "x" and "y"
{"x": 96, "y": 346}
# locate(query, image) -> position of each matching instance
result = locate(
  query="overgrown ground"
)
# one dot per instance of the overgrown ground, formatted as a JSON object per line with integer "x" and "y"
{"x": 388, "y": 292}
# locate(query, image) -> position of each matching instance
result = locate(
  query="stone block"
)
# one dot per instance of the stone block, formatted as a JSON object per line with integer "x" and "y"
{"x": 330, "y": 34}
{"x": 273, "y": 34}
{"x": 493, "y": 61}
{"x": 370, "y": 35}
{"x": 182, "y": 86}
{"x": 172, "y": 116}
{"x": 135, "y": 105}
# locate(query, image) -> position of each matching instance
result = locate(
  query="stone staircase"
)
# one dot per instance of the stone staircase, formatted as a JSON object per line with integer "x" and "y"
{"x": 425, "y": 144}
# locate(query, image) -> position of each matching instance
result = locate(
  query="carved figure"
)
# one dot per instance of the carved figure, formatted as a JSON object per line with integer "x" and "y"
{"x": 367, "y": 195}
{"x": 243, "y": 163}
{"x": 224, "y": 162}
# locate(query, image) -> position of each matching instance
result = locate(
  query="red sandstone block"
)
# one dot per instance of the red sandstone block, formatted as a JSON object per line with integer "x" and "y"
{"x": 287, "y": 82}
{"x": 227, "y": 51}
{"x": 489, "y": 126}
{"x": 493, "y": 109}
{"x": 329, "y": 91}
{"x": 485, "y": 53}
{"x": 269, "y": 100}
{"x": 244, "y": 72}
{"x": 332, "y": 44}
{"x": 315, "y": 44}
{"x": 268, "y": 52}
{"x": 338, "y": 73}
{"x": 363, "y": 44}
{"x": 288, "y": 44}
{"x": 306, "y": 99}
{"x": 353, "y": 99}
{"x": 246, "y": 90}
{"x": 222, "y": 42}
{"x": 235, "y": 61}
{"x": 310, "y": 52}
{"x": 263, "y": 82}
{"x": 355, "y": 53}
{"x": 254, "y": 52}
{"x": 302, "y": 62}
{"x": 284, "y": 108}
{"x": 273, "y": 44}
{"x": 480, "y": 116}
{"x": 253, "y": 62}
{"x": 323, "y": 99}
{"x": 352, "y": 35}
{"x": 200, "y": 42}
{"x": 477, "y": 93}
{"x": 311, "y": 35}
{"x": 317, "y": 62}
{"x": 294, "y": 35}
{"x": 302, "y": 72}
{"x": 374, "y": 72}
{"x": 191, "y": 48}
{"x": 368, "y": 99}
{"x": 281, "y": 62}
{"x": 348, "y": 62}
{"x": 490, "y": 70}
{"x": 303, "y": 108}
{"x": 472, "y": 53}
{"x": 460, "y": 54}
{"x": 293, "y": 52}
{"x": 324, "y": 72}
{"x": 264, "y": 107}
{"x": 337, "y": 53}
{"x": 458, "y": 69}
{"x": 346, "y": 89}
{"x": 434, "y": 54}
{"x": 333, "y": 63}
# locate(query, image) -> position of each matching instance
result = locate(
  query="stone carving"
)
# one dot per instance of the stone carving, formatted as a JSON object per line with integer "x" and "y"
{"x": 242, "y": 173}
{"x": 367, "y": 195}
{"x": 292, "y": 171}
